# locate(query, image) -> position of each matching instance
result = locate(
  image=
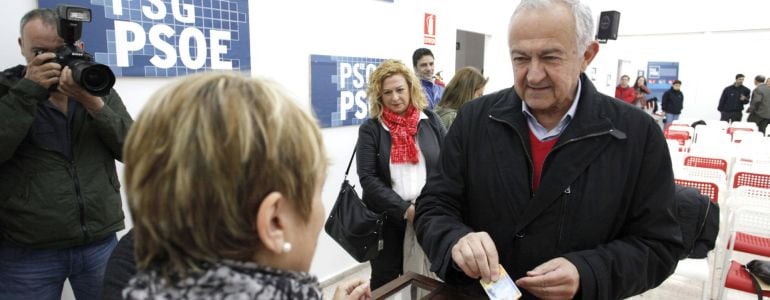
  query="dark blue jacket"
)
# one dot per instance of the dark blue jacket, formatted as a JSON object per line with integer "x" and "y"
{"x": 731, "y": 98}
{"x": 672, "y": 101}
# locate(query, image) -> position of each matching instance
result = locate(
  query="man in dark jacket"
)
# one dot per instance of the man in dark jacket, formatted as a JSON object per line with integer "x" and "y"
{"x": 60, "y": 203}
{"x": 672, "y": 102}
{"x": 733, "y": 98}
{"x": 571, "y": 191}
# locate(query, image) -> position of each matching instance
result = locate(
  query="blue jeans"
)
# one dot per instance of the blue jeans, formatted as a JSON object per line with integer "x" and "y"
{"x": 40, "y": 273}
{"x": 671, "y": 118}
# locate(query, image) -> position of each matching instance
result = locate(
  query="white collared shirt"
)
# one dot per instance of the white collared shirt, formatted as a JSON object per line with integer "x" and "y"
{"x": 543, "y": 134}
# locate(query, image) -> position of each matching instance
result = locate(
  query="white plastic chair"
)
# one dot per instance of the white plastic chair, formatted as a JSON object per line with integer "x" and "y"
{"x": 707, "y": 137}
{"x": 707, "y": 174}
{"x": 674, "y": 150}
{"x": 683, "y": 121}
{"x": 717, "y": 123}
{"x": 751, "y": 192}
{"x": 749, "y": 137}
{"x": 749, "y": 125}
{"x": 754, "y": 146}
{"x": 744, "y": 221}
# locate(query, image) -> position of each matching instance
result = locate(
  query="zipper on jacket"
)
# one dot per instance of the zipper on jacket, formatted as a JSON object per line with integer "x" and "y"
{"x": 567, "y": 192}
{"x": 575, "y": 140}
{"x": 578, "y": 139}
{"x": 526, "y": 152}
{"x": 79, "y": 196}
{"x": 521, "y": 139}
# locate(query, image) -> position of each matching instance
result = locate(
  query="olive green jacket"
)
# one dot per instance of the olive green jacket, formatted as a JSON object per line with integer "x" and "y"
{"x": 47, "y": 201}
{"x": 447, "y": 115}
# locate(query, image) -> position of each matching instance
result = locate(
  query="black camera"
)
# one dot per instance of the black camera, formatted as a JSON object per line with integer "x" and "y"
{"x": 95, "y": 78}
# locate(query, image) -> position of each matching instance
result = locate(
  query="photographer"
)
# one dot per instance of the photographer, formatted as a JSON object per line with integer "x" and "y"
{"x": 60, "y": 202}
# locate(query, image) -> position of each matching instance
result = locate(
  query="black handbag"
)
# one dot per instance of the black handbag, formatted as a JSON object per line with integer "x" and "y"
{"x": 760, "y": 269}
{"x": 352, "y": 225}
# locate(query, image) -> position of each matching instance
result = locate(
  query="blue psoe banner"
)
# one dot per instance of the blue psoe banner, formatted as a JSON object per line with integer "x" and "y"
{"x": 338, "y": 88}
{"x": 660, "y": 77}
{"x": 160, "y": 38}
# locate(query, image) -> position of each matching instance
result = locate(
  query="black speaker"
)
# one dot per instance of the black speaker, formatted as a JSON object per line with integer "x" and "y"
{"x": 608, "y": 25}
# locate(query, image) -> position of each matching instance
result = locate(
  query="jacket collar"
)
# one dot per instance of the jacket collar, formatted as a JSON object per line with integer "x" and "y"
{"x": 588, "y": 119}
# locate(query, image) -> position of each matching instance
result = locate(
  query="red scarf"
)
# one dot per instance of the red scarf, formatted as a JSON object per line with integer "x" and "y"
{"x": 402, "y": 130}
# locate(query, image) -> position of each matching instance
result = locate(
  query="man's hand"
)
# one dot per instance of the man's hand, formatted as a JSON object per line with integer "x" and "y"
{"x": 555, "y": 279}
{"x": 42, "y": 71}
{"x": 357, "y": 289}
{"x": 476, "y": 255}
{"x": 69, "y": 87}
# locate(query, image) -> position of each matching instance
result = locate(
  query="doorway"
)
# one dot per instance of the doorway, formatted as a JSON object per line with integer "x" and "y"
{"x": 469, "y": 50}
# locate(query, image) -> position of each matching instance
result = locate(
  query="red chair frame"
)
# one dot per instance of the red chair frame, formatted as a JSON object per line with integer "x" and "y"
{"x": 738, "y": 279}
{"x": 680, "y": 136}
{"x": 751, "y": 179}
{"x": 706, "y": 162}
{"x": 730, "y": 130}
{"x": 707, "y": 188}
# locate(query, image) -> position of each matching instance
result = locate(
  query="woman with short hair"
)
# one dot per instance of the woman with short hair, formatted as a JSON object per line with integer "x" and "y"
{"x": 224, "y": 176}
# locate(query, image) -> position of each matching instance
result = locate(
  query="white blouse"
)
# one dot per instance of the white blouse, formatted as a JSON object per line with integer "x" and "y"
{"x": 408, "y": 179}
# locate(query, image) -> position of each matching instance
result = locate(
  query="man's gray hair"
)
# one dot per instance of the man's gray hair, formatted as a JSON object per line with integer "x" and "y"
{"x": 584, "y": 22}
{"x": 47, "y": 16}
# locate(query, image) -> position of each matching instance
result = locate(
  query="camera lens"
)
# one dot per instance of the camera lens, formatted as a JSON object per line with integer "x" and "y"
{"x": 97, "y": 79}
{"x": 93, "y": 79}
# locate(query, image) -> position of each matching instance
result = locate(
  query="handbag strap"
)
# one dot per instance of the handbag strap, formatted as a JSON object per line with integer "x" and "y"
{"x": 350, "y": 163}
{"x": 757, "y": 288}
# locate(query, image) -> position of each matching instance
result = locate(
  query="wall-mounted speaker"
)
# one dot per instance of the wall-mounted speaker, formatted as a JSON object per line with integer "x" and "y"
{"x": 608, "y": 25}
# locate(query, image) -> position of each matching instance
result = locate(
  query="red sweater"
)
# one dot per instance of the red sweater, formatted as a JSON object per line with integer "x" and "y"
{"x": 626, "y": 94}
{"x": 539, "y": 152}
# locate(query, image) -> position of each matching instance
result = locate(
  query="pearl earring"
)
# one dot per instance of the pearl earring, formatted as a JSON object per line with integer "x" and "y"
{"x": 286, "y": 247}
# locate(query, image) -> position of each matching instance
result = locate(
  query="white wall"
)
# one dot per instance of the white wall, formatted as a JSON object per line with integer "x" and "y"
{"x": 711, "y": 43}
{"x": 357, "y": 28}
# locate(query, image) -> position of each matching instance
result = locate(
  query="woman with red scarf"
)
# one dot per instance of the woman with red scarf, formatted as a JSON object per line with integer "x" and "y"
{"x": 397, "y": 149}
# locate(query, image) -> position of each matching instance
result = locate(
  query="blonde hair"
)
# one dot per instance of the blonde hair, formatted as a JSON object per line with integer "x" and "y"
{"x": 462, "y": 88}
{"x": 385, "y": 70}
{"x": 200, "y": 158}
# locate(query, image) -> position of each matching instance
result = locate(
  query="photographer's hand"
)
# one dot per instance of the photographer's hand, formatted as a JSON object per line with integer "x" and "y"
{"x": 69, "y": 87}
{"x": 43, "y": 71}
